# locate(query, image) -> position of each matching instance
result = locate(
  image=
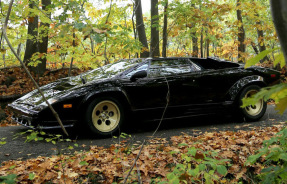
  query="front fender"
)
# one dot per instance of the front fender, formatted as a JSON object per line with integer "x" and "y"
{"x": 111, "y": 91}
{"x": 240, "y": 84}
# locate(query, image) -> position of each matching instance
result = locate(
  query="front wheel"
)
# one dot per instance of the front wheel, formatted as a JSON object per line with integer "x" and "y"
{"x": 252, "y": 112}
{"x": 105, "y": 116}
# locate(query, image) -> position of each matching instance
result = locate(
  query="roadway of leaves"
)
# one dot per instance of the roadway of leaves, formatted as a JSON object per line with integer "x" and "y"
{"x": 155, "y": 162}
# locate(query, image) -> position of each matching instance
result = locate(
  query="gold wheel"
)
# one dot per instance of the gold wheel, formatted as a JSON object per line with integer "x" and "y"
{"x": 106, "y": 116}
{"x": 254, "y": 110}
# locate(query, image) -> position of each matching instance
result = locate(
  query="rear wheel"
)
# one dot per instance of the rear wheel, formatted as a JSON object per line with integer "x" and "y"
{"x": 252, "y": 112}
{"x": 105, "y": 116}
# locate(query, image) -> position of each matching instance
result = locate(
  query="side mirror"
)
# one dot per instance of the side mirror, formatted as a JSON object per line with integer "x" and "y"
{"x": 138, "y": 75}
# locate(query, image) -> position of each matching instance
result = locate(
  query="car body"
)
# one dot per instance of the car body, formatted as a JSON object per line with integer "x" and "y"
{"x": 105, "y": 98}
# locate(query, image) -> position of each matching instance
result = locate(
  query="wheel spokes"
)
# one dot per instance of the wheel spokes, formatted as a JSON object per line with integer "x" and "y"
{"x": 106, "y": 116}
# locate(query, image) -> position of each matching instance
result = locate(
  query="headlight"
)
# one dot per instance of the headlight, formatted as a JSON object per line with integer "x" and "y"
{"x": 51, "y": 101}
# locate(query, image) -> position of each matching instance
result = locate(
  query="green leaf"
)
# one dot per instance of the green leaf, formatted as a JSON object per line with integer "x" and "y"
{"x": 12, "y": 167}
{"x": 258, "y": 57}
{"x": 279, "y": 59}
{"x": 281, "y": 105}
{"x": 182, "y": 144}
{"x": 192, "y": 151}
{"x": 173, "y": 178}
{"x": 201, "y": 167}
{"x": 82, "y": 163}
{"x": 31, "y": 176}
{"x": 193, "y": 172}
{"x": 221, "y": 169}
{"x": 252, "y": 159}
{"x": 283, "y": 156}
{"x": 9, "y": 179}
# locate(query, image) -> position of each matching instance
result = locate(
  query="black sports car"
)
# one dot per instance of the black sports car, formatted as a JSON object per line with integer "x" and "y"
{"x": 104, "y": 98}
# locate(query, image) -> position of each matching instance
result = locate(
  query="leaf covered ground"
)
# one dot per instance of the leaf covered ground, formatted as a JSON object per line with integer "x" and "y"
{"x": 14, "y": 81}
{"x": 158, "y": 159}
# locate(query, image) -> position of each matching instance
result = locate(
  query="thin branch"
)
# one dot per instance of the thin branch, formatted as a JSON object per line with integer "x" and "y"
{"x": 27, "y": 71}
{"x": 167, "y": 102}
{"x": 109, "y": 11}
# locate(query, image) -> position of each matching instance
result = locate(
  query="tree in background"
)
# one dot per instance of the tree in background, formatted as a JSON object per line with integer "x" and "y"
{"x": 188, "y": 21}
{"x": 164, "y": 30}
{"x": 43, "y": 37}
{"x": 154, "y": 40}
{"x": 241, "y": 33}
{"x": 31, "y": 42}
{"x": 141, "y": 29}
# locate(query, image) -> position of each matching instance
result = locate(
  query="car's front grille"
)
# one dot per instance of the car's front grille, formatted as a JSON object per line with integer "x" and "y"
{"x": 25, "y": 121}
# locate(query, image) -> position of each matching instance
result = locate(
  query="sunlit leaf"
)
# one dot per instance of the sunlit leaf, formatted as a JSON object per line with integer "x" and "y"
{"x": 258, "y": 57}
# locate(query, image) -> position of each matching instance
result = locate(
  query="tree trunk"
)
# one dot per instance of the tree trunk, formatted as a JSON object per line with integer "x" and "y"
{"x": 92, "y": 45}
{"x": 207, "y": 47}
{"x": 43, "y": 46}
{"x": 3, "y": 48}
{"x": 207, "y": 42}
{"x": 31, "y": 43}
{"x": 201, "y": 43}
{"x": 241, "y": 33}
{"x": 260, "y": 37}
{"x": 279, "y": 14}
{"x": 254, "y": 48}
{"x": 72, "y": 60}
{"x": 164, "y": 32}
{"x": 141, "y": 29}
{"x": 154, "y": 45}
{"x": 194, "y": 45}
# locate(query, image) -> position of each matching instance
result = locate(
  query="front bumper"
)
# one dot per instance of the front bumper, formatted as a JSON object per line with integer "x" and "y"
{"x": 31, "y": 119}
{"x": 33, "y": 124}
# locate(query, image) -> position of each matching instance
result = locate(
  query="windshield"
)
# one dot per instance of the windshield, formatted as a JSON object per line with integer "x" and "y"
{"x": 111, "y": 70}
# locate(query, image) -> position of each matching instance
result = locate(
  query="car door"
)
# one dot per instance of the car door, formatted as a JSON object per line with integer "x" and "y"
{"x": 174, "y": 72}
{"x": 144, "y": 93}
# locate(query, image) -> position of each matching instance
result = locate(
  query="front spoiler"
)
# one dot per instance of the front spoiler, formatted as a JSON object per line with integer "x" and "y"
{"x": 43, "y": 125}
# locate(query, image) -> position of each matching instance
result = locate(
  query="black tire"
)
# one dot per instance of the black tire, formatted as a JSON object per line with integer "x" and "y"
{"x": 105, "y": 116}
{"x": 252, "y": 113}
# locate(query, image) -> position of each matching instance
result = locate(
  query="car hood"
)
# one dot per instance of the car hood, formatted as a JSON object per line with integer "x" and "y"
{"x": 53, "y": 92}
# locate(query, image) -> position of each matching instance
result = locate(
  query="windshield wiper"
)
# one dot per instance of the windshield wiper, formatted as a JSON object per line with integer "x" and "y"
{"x": 83, "y": 80}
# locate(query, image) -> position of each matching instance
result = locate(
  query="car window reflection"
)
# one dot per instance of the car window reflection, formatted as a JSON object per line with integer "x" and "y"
{"x": 169, "y": 67}
{"x": 112, "y": 69}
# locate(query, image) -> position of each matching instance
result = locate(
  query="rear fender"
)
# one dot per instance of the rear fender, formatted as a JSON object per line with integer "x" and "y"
{"x": 240, "y": 84}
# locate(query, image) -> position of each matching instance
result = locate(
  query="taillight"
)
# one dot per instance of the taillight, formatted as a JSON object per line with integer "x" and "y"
{"x": 273, "y": 75}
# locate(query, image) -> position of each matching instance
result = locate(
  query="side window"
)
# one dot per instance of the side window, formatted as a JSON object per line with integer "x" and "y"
{"x": 195, "y": 67}
{"x": 142, "y": 67}
{"x": 169, "y": 67}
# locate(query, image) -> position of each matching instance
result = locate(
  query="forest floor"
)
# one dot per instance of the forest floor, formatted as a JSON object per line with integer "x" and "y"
{"x": 158, "y": 158}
